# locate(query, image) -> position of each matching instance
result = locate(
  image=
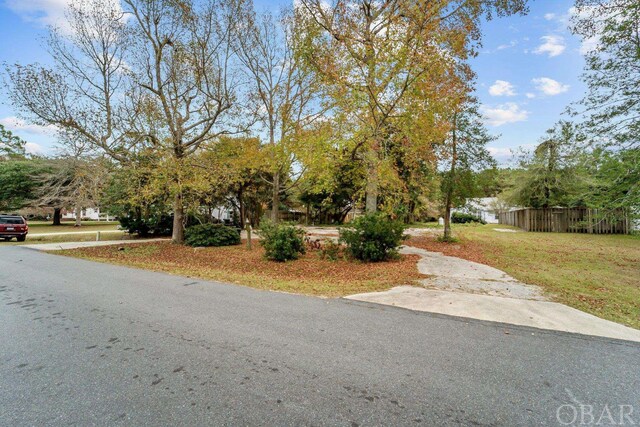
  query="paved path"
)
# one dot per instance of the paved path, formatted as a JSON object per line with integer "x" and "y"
{"x": 455, "y": 274}
{"x": 95, "y": 344}
{"x": 537, "y": 314}
{"x": 463, "y": 288}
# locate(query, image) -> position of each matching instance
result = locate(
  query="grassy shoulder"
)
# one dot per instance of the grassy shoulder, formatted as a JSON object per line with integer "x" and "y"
{"x": 44, "y": 232}
{"x": 60, "y": 238}
{"x": 308, "y": 275}
{"x": 37, "y": 227}
{"x": 598, "y": 274}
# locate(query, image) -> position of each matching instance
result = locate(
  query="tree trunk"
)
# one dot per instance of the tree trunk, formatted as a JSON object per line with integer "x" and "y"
{"x": 177, "y": 235}
{"x": 371, "y": 201}
{"x": 78, "y": 214}
{"x": 275, "y": 197}
{"x": 57, "y": 216}
{"x": 241, "y": 208}
{"x": 451, "y": 183}
{"x": 447, "y": 220}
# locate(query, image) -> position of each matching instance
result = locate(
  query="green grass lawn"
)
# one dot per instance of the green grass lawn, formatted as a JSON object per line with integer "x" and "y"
{"x": 71, "y": 238}
{"x": 40, "y": 227}
{"x": 599, "y": 274}
{"x": 44, "y": 232}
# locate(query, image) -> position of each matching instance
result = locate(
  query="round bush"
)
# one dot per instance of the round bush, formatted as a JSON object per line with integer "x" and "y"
{"x": 154, "y": 225}
{"x": 281, "y": 242}
{"x": 373, "y": 238}
{"x": 211, "y": 235}
{"x": 465, "y": 218}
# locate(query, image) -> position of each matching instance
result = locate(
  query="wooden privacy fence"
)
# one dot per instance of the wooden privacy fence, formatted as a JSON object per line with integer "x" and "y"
{"x": 566, "y": 220}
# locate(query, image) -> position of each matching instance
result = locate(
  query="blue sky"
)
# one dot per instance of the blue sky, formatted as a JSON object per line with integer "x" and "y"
{"x": 528, "y": 68}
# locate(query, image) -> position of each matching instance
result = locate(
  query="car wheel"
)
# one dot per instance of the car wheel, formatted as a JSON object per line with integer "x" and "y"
{"x": 21, "y": 238}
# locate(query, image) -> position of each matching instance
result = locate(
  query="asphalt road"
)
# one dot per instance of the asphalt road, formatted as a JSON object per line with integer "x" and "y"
{"x": 84, "y": 343}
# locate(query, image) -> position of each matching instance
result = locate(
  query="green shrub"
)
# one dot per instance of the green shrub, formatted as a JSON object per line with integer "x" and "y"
{"x": 331, "y": 250}
{"x": 373, "y": 237}
{"x": 211, "y": 235}
{"x": 465, "y": 218}
{"x": 281, "y": 242}
{"x": 154, "y": 225}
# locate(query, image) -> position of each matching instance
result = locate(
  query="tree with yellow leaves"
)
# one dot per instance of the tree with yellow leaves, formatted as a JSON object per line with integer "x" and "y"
{"x": 371, "y": 54}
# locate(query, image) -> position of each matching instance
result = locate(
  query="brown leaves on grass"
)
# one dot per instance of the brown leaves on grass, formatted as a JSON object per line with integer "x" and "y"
{"x": 308, "y": 275}
{"x": 465, "y": 249}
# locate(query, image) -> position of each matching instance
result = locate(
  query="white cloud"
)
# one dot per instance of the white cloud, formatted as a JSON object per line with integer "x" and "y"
{"x": 501, "y": 88}
{"x": 563, "y": 20}
{"x": 503, "y": 114}
{"x": 549, "y": 86}
{"x": 46, "y": 12}
{"x": 33, "y": 148}
{"x": 507, "y": 155}
{"x": 501, "y": 154}
{"x": 43, "y": 12}
{"x": 589, "y": 45}
{"x": 585, "y": 12}
{"x": 511, "y": 44}
{"x": 530, "y": 95}
{"x": 553, "y": 46}
{"x": 15, "y": 124}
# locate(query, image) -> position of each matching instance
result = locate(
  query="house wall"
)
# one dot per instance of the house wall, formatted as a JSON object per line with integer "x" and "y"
{"x": 480, "y": 208}
{"x": 221, "y": 213}
{"x": 90, "y": 213}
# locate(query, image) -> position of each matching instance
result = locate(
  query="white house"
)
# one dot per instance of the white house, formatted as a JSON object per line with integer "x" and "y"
{"x": 222, "y": 213}
{"x": 92, "y": 214}
{"x": 487, "y": 208}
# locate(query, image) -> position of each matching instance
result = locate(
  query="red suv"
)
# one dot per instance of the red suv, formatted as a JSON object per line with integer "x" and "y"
{"x": 13, "y": 226}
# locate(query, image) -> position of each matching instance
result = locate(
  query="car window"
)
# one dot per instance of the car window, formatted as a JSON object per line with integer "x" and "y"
{"x": 9, "y": 220}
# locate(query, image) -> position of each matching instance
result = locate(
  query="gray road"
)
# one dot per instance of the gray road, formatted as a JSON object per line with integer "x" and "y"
{"x": 92, "y": 344}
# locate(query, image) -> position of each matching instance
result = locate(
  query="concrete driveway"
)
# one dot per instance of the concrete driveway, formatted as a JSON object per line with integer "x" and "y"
{"x": 96, "y": 344}
{"x": 462, "y": 288}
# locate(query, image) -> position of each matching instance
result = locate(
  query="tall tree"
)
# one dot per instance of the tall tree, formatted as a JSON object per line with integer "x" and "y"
{"x": 284, "y": 93}
{"x": 11, "y": 146}
{"x": 20, "y": 180}
{"x": 74, "y": 182}
{"x": 614, "y": 186}
{"x": 231, "y": 172}
{"x": 330, "y": 192}
{"x": 82, "y": 93}
{"x": 612, "y": 69}
{"x": 370, "y": 54}
{"x": 551, "y": 174}
{"x": 182, "y": 57}
{"x": 611, "y": 29}
{"x": 156, "y": 80}
{"x": 465, "y": 154}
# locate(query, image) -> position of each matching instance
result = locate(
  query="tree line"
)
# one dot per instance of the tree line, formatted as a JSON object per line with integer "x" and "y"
{"x": 592, "y": 158}
{"x": 179, "y": 106}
